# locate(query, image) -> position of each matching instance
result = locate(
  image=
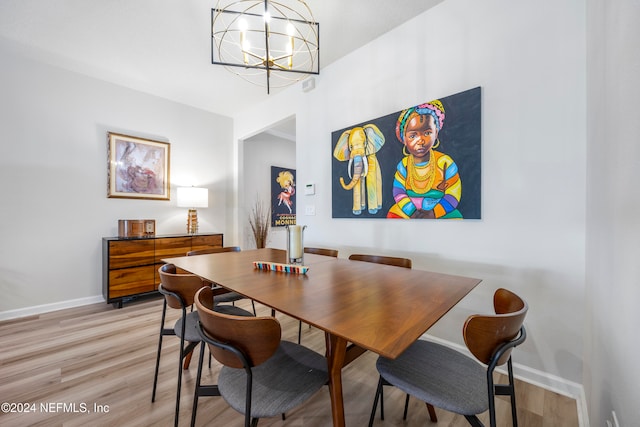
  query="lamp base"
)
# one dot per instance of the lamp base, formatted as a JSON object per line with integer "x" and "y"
{"x": 192, "y": 222}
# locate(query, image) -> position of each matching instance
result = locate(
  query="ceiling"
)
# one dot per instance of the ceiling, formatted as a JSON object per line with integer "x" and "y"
{"x": 162, "y": 47}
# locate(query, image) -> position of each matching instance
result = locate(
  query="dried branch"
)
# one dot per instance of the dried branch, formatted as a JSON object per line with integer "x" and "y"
{"x": 260, "y": 221}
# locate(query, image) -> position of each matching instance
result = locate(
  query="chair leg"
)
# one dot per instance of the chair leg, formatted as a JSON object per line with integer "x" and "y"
{"x": 196, "y": 393}
{"x": 299, "y": 330}
{"x": 492, "y": 403}
{"x": 177, "y": 414}
{"x": 187, "y": 360}
{"x": 375, "y": 403}
{"x": 502, "y": 390}
{"x": 474, "y": 421}
{"x": 155, "y": 377}
{"x": 185, "y": 353}
{"x": 253, "y": 304}
{"x": 382, "y": 398}
{"x": 406, "y": 407}
{"x": 247, "y": 401}
{"x": 432, "y": 412}
{"x": 512, "y": 394}
{"x": 188, "y": 354}
{"x": 380, "y": 394}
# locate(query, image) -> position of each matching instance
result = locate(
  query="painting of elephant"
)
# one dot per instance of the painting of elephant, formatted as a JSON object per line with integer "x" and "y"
{"x": 359, "y": 145}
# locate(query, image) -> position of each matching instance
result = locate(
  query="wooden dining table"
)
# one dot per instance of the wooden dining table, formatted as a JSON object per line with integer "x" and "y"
{"x": 359, "y": 305}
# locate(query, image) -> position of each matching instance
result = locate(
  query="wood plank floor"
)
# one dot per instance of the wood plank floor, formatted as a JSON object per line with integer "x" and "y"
{"x": 93, "y": 365}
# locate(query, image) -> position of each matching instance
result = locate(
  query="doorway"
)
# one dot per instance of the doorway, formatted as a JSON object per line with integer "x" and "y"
{"x": 274, "y": 146}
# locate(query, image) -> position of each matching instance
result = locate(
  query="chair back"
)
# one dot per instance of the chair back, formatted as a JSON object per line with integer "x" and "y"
{"x": 214, "y": 250}
{"x": 321, "y": 251}
{"x": 257, "y": 338}
{"x": 485, "y": 334}
{"x": 389, "y": 260}
{"x": 183, "y": 284}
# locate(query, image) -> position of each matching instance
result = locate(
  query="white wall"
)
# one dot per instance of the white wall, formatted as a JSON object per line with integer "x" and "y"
{"x": 531, "y": 66}
{"x": 612, "y": 372}
{"x": 53, "y": 171}
{"x": 541, "y": 219}
{"x": 260, "y": 153}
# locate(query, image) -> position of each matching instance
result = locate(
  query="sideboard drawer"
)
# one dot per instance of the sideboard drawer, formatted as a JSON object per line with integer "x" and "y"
{"x": 169, "y": 247}
{"x": 129, "y": 281}
{"x": 130, "y": 253}
{"x": 203, "y": 242}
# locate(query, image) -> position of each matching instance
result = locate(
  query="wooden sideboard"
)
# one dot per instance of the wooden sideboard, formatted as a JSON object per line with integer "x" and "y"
{"x": 130, "y": 265}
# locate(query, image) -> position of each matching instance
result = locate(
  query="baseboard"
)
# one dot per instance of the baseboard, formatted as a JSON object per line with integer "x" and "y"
{"x": 538, "y": 378}
{"x": 45, "y": 308}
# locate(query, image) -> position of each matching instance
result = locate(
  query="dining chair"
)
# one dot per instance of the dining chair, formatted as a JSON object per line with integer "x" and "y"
{"x": 379, "y": 259}
{"x": 261, "y": 376}
{"x": 228, "y": 296}
{"x": 316, "y": 251}
{"x": 395, "y": 262}
{"x": 453, "y": 381}
{"x": 321, "y": 251}
{"x": 179, "y": 290}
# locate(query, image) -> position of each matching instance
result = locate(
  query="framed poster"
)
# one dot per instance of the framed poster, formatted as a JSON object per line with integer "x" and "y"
{"x": 423, "y": 162}
{"x": 137, "y": 168}
{"x": 283, "y": 196}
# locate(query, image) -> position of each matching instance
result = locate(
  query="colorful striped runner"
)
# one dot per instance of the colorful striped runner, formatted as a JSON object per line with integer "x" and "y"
{"x": 285, "y": 268}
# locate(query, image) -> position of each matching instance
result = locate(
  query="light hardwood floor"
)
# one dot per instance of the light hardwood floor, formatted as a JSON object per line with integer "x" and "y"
{"x": 93, "y": 365}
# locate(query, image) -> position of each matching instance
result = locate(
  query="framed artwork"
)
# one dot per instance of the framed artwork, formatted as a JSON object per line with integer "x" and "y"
{"x": 283, "y": 196}
{"x": 423, "y": 162}
{"x": 138, "y": 168}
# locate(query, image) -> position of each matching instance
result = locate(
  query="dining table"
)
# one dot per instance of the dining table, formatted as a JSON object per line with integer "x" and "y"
{"x": 360, "y": 306}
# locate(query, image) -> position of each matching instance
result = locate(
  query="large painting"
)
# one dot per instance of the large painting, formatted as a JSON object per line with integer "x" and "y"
{"x": 423, "y": 162}
{"x": 138, "y": 168}
{"x": 283, "y": 196}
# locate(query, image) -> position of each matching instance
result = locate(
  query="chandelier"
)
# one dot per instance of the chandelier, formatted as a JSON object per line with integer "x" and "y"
{"x": 268, "y": 43}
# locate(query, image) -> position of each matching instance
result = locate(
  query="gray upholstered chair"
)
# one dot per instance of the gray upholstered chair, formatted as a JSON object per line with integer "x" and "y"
{"x": 450, "y": 380}
{"x": 179, "y": 291}
{"x": 229, "y": 296}
{"x": 262, "y": 376}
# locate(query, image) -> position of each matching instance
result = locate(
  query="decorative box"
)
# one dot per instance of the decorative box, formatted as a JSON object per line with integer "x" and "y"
{"x": 136, "y": 227}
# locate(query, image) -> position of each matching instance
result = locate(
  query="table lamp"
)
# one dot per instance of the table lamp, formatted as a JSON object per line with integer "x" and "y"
{"x": 192, "y": 198}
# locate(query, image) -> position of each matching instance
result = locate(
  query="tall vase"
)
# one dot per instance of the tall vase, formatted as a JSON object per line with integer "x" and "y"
{"x": 295, "y": 244}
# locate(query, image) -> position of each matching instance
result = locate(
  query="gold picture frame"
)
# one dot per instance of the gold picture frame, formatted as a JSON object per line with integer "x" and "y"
{"x": 138, "y": 168}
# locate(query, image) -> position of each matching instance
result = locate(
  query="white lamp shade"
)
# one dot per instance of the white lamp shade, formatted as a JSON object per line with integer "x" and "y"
{"x": 193, "y": 197}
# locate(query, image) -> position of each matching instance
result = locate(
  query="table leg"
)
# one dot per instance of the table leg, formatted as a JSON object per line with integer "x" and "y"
{"x": 336, "y": 352}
